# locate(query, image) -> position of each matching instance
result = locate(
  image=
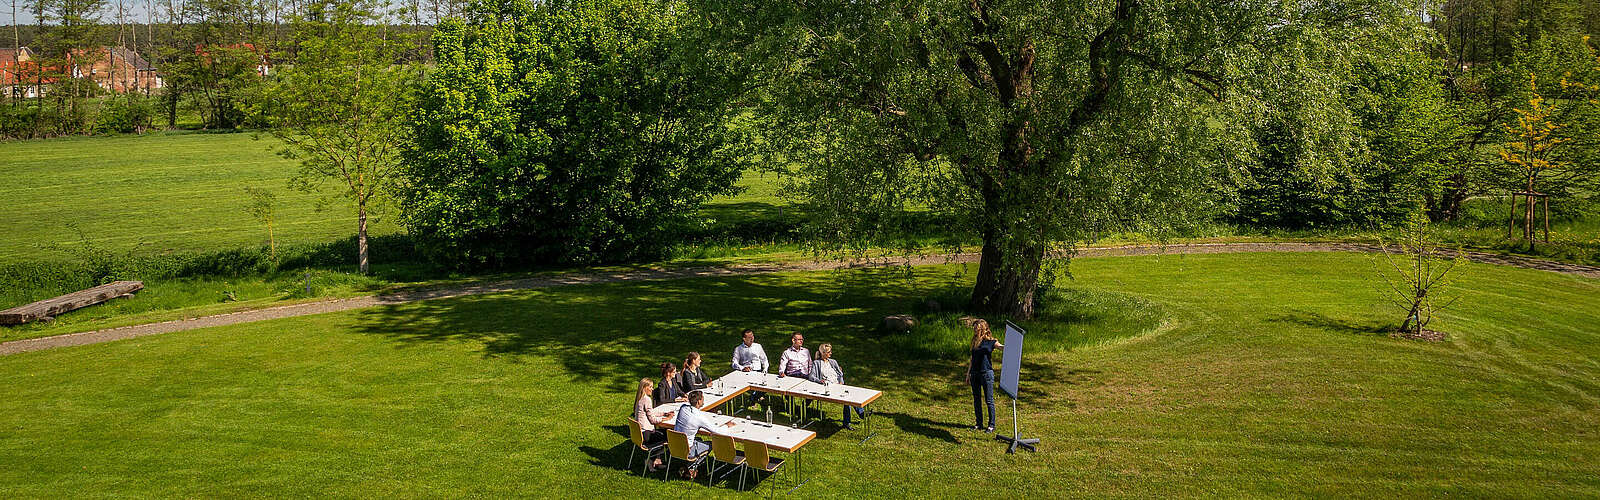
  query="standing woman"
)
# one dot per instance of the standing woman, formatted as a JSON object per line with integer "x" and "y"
{"x": 980, "y": 374}
{"x": 669, "y": 390}
{"x": 647, "y": 419}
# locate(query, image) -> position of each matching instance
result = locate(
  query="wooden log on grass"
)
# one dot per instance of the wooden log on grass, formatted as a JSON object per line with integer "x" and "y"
{"x": 49, "y": 308}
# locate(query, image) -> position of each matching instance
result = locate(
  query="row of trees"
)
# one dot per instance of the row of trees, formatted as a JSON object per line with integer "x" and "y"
{"x": 210, "y": 56}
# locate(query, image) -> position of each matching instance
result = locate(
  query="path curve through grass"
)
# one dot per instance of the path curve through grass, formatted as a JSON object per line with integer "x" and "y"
{"x": 111, "y": 334}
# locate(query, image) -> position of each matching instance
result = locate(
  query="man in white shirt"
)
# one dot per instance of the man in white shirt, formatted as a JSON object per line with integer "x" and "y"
{"x": 691, "y": 421}
{"x": 748, "y": 356}
{"x": 796, "y": 360}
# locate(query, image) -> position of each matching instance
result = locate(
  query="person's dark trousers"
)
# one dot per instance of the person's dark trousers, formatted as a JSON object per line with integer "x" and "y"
{"x": 859, "y": 412}
{"x": 983, "y": 393}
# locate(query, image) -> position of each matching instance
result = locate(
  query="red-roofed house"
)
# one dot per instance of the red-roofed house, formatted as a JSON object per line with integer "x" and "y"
{"x": 116, "y": 69}
{"x": 263, "y": 67}
{"x": 18, "y": 72}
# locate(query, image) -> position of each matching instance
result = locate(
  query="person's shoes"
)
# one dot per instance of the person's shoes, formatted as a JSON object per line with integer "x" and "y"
{"x": 847, "y": 427}
{"x": 976, "y": 428}
{"x": 989, "y": 430}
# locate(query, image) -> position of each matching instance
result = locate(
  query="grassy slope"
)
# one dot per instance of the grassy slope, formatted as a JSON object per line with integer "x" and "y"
{"x": 1267, "y": 379}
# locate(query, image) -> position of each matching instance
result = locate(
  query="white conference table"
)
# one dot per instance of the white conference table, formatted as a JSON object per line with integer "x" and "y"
{"x": 777, "y": 437}
{"x": 751, "y": 432}
{"x": 733, "y": 384}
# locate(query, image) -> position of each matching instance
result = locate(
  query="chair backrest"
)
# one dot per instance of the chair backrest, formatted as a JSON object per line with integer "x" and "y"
{"x": 678, "y": 444}
{"x": 756, "y": 454}
{"x": 722, "y": 447}
{"x": 635, "y": 433}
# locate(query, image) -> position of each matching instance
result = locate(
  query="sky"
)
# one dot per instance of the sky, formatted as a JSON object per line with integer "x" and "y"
{"x": 135, "y": 14}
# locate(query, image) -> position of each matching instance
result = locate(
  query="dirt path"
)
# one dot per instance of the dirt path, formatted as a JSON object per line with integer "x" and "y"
{"x": 107, "y": 335}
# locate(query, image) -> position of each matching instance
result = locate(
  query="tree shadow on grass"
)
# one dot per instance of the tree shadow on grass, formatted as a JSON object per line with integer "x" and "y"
{"x": 615, "y": 457}
{"x": 613, "y": 334}
{"x": 1323, "y": 322}
{"x": 924, "y": 427}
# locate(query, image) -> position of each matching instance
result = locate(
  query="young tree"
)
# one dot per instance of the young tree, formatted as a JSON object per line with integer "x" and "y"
{"x": 1416, "y": 272}
{"x": 1551, "y": 152}
{"x": 1532, "y": 154}
{"x": 1036, "y": 125}
{"x": 339, "y": 108}
{"x": 263, "y": 206}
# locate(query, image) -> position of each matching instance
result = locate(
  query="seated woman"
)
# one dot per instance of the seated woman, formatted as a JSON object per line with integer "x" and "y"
{"x": 648, "y": 421}
{"x": 691, "y": 378}
{"x": 826, "y": 370}
{"x": 669, "y": 390}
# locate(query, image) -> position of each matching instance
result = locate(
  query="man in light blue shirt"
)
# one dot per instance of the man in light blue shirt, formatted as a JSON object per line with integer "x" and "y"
{"x": 691, "y": 421}
{"x": 748, "y": 356}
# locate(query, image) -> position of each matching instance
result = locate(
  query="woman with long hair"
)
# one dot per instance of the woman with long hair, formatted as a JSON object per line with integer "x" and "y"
{"x": 669, "y": 389}
{"x": 980, "y": 373}
{"x": 692, "y": 378}
{"x": 642, "y": 404}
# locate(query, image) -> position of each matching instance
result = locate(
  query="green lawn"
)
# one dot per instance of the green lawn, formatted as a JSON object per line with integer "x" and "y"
{"x": 1264, "y": 375}
{"x": 153, "y": 194}
{"x": 182, "y": 192}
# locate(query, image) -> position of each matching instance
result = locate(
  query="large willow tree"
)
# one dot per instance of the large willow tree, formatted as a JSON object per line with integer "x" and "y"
{"x": 1040, "y": 124}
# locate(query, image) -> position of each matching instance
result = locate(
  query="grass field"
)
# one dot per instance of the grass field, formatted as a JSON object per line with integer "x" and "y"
{"x": 183, "y": 192}
{"x": 153, "y": 194}
{"x": 1264, "y": 375}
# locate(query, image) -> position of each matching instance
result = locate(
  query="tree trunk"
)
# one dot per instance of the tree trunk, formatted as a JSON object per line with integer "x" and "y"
{"x": 361, "y": 235}
{"x": 1527, "y": 227}
{"x": 272, "y": 243}
{"x": 1006, "y": 283}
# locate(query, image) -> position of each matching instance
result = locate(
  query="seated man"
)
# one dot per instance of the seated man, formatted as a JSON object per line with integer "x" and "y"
{"x": 796, "y": 360}
{"x": 826, "y": 371}
{"x": 748, "y": 356}
{"x": 691, "y": 421}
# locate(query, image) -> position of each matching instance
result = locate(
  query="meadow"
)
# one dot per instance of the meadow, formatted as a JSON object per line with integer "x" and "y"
{"x": 168, "y": 208}
{"x": 183, "y": 192}
{"x": 1213, "y": 375}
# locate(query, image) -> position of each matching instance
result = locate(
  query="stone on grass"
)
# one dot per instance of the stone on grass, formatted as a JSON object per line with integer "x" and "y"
{"x": 899, "y": 322}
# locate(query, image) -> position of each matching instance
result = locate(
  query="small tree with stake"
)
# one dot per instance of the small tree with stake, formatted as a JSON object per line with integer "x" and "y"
{"x": 338, "y": 109}
{"x": 263, "y": 205}
{"x": 1415, "y": 272}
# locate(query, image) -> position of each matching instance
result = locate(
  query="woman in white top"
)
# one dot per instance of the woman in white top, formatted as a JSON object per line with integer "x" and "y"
{"x": 648, "y": 422}
{"x": 826, "y": 370}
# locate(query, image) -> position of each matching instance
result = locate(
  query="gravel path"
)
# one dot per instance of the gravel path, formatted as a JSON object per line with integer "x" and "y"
{"x": 107, "y": 335}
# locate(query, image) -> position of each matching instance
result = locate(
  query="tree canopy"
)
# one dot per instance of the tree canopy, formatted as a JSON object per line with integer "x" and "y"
{"x": 1038, "y": 125}
{"x": 568, "y": 131}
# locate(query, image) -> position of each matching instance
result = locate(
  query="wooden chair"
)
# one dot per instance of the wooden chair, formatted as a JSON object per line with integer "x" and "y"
{"x": 758, "y": 457}
{"x": 723, "y": 450}
{"x": 678, "y": 447}
{"x": 636, "y": 432}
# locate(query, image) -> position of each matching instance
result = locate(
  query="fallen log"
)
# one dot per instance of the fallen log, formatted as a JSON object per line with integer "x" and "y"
{"x": 50, "y": 308}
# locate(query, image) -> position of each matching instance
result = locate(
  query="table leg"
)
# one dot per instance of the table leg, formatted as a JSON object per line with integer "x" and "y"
{"x": 799, "y": 469}
{"x": 866, "y": 422}
{"x": 805, "y": 413}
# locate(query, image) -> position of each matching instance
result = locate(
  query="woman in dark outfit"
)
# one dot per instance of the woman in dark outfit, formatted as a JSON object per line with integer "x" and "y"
{"x": 669, "y": 390}
{"x": 980, "y": 374}
{"x": 691, "y": 378}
